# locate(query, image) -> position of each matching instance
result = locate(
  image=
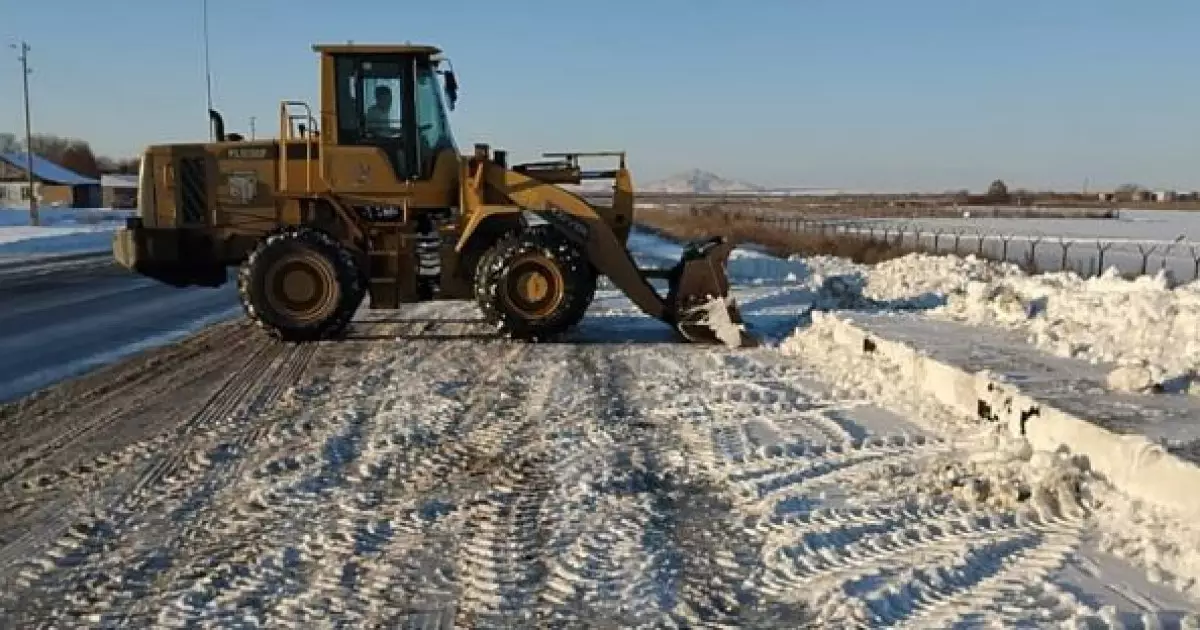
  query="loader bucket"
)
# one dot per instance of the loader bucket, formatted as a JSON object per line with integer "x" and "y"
{"x": 698, "y": 296}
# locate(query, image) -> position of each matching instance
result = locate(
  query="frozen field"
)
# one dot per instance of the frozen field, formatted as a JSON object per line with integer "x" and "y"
{"x": 1157, "y": 239}
{"x": 1141, "y": 225}
{"x": 423, "y": 473}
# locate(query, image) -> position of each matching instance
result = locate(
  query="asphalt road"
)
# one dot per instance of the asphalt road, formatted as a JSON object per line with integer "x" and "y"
{"x": 62, "y": 317}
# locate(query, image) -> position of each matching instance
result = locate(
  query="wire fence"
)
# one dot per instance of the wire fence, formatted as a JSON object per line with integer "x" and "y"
{"x": 1087, "y": 256}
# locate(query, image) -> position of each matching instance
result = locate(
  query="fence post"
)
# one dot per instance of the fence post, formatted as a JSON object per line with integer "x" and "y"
{"x": 1031, "y": 264}
{"x": 1146, "y": 256}
{"x": 1066, "y": 247}
{"x": 1102, "y": 249}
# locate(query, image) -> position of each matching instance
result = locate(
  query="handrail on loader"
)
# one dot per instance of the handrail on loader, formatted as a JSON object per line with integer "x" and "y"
{"x": 307, "y": 132}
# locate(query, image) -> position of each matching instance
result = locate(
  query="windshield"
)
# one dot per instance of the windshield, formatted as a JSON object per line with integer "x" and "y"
{"x": 433, "y": 123}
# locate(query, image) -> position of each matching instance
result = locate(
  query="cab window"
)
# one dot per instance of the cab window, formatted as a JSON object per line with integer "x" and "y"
{"x": 372, "y": 107}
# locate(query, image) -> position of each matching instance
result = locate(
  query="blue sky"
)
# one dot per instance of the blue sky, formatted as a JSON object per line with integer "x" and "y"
{"x": 920, "y": 94}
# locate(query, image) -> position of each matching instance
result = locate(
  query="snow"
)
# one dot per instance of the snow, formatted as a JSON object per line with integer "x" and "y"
{"x": 1163, "y": 544}
{"x": 1059, "y": 313}
{"x": 60, "y": 231}
{"x": 623, "y": 479}
{"x": 715, "y": 315}
{"x": 1143, "y": 325}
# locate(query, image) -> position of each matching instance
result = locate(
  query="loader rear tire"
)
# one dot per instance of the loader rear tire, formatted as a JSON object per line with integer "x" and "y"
{"x": 535, "y": 285}
{"x": 300, "y": 285}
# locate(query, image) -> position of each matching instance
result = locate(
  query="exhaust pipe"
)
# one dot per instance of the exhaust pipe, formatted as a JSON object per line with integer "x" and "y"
{"x": 218, "y": 124}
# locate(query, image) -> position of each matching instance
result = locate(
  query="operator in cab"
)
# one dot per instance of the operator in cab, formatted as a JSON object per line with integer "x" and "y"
{"x": 379, "y": 119}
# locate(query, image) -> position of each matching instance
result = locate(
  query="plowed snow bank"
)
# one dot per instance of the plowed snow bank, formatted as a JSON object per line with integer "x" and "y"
{"x": 1148, "y": 328}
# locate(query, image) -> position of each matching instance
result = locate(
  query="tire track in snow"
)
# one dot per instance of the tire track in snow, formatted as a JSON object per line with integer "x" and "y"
{"x": 126, "y": 398}
{"x": 790, "y": 476}
{"x": 948, "y": 595}
{"x": 54, "y": 516}
{"x": 500, "y": 569}
{"x": 403, "y": 493}
{"x": 43, "y": 507}
{"x": 288, "y": 533}
{"x": 247, "y": 567}
{"x": 753, "y": 388}
{"x": 710, "y": 556}
{"x": 615, "y": 559}
{"x": 780, "y": 482}
{"x": 176, "y": 483}
{"x": 208, "y": 479}
{"x": 865, "y": 568}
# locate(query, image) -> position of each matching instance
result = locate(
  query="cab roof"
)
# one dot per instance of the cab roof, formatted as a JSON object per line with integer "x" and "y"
{"x": 378, "y": 49}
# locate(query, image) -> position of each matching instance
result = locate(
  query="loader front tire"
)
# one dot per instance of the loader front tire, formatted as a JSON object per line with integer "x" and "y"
{"x": 535, "y": 285}
{"x": 300, "y": 284}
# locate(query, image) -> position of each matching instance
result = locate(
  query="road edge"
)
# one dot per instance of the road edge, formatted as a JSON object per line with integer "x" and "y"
{"x": 1133, "y": 463}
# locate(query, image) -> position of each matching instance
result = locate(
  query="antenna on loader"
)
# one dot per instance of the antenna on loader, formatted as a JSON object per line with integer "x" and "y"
{"x": 207, "y": 71}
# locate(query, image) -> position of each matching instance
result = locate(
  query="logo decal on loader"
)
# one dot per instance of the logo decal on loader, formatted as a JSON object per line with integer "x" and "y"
{"x": 247, "y": 153}
{"x": 243, "y": 186}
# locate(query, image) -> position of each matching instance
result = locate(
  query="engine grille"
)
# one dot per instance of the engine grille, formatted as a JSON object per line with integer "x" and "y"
{"x": 193, "y": 190}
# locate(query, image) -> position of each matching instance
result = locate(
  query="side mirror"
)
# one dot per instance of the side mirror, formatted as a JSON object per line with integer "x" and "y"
{"x": 451, "y": 88}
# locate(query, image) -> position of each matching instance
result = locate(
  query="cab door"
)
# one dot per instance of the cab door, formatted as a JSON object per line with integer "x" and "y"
{"x": 376, "y": 153}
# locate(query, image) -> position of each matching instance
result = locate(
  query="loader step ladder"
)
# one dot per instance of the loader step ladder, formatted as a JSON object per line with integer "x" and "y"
{"x": 390, "y": 264}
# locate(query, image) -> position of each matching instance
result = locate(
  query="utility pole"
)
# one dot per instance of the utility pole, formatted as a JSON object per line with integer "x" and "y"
{"x": 207, "y": 73}
{"x": 25, "y": 72}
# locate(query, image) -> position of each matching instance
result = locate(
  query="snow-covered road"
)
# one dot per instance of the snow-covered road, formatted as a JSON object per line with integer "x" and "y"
{"x": 422, "y": 473}
{"x": 63, "y": 316}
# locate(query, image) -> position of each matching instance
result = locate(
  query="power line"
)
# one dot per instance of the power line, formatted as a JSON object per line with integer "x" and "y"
{"x": 25, "y": 72}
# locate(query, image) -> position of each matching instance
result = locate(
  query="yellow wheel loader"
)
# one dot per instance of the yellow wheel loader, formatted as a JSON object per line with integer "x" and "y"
{"x": 372, "y": 198}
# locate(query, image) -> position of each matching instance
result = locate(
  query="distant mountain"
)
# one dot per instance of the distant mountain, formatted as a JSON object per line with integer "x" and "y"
{"x": 698, "y": 181}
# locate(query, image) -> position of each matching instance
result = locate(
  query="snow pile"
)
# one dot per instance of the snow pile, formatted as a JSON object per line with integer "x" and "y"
{"x": 915, "y": 281}
{"x": 917, "y": 274}
{"x": 1167, "y": 547}
{"x": 1148, "y": 329}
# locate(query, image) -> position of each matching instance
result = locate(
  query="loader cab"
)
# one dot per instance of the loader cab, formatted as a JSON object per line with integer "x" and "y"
{"x": 388, "y": 98}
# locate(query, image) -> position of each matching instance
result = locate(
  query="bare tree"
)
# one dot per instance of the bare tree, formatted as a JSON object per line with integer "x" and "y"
{"x": 78, "y": 157}
{"x": 998, "y": 190}
{"x": 71, "y": 153}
